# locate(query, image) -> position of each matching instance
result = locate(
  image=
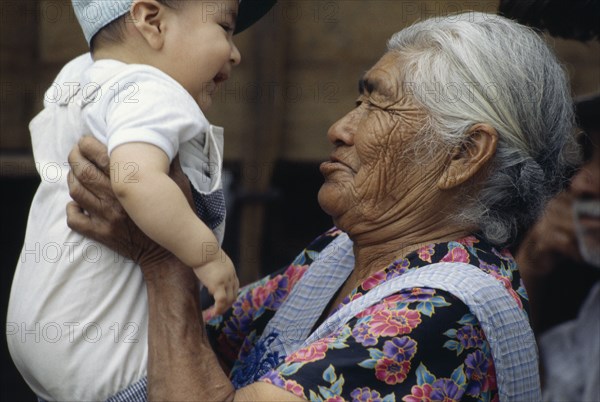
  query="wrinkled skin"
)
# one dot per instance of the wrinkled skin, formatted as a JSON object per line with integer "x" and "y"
{"x": 375, "y": 179}
{"x": 384, "y": 190}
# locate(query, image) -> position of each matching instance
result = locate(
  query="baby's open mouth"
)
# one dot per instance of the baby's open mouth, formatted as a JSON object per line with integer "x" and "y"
{"x": 220, "y": 78}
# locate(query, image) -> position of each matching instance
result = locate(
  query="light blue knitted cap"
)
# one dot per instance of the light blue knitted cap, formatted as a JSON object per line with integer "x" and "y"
{"x": 93, "y": 15}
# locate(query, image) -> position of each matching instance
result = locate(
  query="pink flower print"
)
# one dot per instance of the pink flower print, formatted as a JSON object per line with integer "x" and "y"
{"x": 294, "y": 273}
{"x": 391, "y": 371}
{"x": 333, "y": 232}
{"x": 313, "y": 352}
{"x": 426, "y": 252}
{"x": 392, "y": 323}
{"x": 419, "y": 394}
{"x": 508, "y": 285}
{"x": 372, "y": 310}
{"x": 468, "y": 241}
{"x": 272, "y": 293}
{"x": 394, "y": 299}
{"x": 336, "y": 398}
{"x": 457, "y": 254}
{"x": 295, "y": 388}
{"x": 261, "y": 293}
{"x": 208, "y": 314}
{"x": 374, "y": 280}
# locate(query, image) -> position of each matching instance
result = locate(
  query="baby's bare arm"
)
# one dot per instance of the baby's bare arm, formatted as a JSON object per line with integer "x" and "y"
{"x": 139, "y": 178}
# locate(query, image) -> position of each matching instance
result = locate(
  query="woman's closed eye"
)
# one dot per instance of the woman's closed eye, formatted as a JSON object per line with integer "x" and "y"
{"x": 362, "y": 100}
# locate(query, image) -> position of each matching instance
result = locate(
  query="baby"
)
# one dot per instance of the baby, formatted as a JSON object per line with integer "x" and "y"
{"x": 172, "y": 55}
{"x": 77, "y": 319}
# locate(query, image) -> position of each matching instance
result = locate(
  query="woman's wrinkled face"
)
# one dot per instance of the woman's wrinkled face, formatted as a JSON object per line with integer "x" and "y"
{"x": 372, "y": 177}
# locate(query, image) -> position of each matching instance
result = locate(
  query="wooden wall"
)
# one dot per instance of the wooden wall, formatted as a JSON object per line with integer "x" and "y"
{"x": 320, "y": 48}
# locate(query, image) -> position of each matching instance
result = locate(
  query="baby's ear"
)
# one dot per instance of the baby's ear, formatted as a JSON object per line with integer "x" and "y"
{"x": 148, "y": 18}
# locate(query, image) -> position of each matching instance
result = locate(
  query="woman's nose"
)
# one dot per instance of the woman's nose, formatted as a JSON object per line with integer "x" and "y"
{"x": 342, "y": 131}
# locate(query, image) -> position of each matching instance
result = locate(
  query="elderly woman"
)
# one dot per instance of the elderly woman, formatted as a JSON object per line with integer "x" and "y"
{"x": 460, "y": 133}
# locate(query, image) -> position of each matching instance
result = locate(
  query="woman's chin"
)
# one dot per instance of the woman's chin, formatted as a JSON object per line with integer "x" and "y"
{"x": 328, "y": 199}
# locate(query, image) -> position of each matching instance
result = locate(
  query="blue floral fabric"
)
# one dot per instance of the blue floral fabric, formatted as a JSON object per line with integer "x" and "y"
{"x": 418, "y": 345}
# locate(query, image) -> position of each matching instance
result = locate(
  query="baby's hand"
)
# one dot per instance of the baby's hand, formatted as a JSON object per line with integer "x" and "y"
{"x": 218, "y": 275}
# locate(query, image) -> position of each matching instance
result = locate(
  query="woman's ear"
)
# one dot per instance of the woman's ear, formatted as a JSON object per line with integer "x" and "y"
{"x": 148, "y": 19}
{"x": 469, "y": 158}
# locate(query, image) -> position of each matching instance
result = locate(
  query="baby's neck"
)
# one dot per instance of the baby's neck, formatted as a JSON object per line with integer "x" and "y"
{"x": 120, "y": 52}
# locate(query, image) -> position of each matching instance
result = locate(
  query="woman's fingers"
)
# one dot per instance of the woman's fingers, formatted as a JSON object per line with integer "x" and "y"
{"x": 85, "y": 198}
{"x": 86, "y": 174}
{"x": 78, "y": 220}
{"x": 96, "y": 153}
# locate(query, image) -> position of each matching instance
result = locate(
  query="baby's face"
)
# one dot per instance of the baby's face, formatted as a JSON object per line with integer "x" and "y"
{"x": 199, "y": 51}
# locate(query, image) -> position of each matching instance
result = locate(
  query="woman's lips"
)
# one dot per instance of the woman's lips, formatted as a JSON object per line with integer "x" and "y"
{"x": 334, "y": 165}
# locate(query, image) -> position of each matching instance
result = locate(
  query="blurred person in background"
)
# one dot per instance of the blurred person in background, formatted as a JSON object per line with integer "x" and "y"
{"x": 559, "y": 262}
{"x": 559, "y": 259}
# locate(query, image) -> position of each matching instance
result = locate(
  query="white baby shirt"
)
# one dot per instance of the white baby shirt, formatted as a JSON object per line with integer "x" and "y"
{"x": 77, "y": 317}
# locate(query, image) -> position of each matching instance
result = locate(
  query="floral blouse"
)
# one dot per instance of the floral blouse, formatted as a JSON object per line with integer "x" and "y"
{"x": 417, "y": 345}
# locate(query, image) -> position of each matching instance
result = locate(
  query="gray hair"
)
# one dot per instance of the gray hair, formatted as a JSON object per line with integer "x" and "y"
{"x": 474, "y": 68}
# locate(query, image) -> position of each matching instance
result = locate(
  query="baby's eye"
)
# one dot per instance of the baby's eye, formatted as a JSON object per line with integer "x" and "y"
{"x": 226, "y": 27}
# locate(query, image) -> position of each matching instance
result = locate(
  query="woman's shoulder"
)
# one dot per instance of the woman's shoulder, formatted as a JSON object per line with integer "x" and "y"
{"x": 476, "y": 251}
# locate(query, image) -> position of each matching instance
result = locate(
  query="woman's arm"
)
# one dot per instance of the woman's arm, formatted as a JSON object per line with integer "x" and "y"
{"x": 182, "y": 365}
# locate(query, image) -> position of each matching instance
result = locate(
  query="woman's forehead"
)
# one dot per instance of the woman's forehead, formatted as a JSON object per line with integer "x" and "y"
{"x": 384, "y": 77}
